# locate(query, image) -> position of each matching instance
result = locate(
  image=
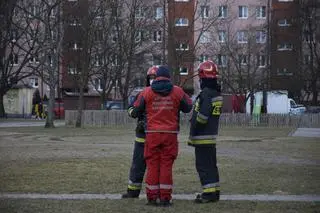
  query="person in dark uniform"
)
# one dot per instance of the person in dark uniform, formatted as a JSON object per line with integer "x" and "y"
{"x": 204, "y": 130}
{"x": 138, "y": 165}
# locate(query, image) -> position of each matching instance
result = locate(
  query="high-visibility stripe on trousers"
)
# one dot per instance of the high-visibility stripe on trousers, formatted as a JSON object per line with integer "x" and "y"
{"x": 206, "y": 165}
{"x": 138, "y": 167}
{"x": 160, "y": 151}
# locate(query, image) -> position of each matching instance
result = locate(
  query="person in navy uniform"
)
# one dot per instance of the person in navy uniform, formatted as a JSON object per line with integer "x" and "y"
{"x": 204, "y": 130}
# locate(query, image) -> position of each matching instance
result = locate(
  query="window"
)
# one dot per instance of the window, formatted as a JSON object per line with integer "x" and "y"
{"x": 283, "y": 71}
{"x": 182, "y": 22}
{"x": 242, "y": 37}
{"x": 204, "y": 11}
{"x": 243, "y": 12}
{"x": 98, "y": 60}
{"x": 76, "y": 46}
{"x": 52, "y": 35}
{"x": 13, "y": 59}
{"x": 159, "y": 12}
{"x": 203, "y": 58}
{"x": 308, "y": 36}
{"x": 53, "y": 12}
{"x": 284, "y": 0}
{"x": 98, "y": 35}
{"x": 114, "y": 60}
{"x": 98, "y": 84}
{"x": 138, "y": 36}
{"x": 156, "y": 60}
{"x": 50, "y": 61}
{"x": 140, "y": 12}
{"x": 34, "y": 59}
{"x": 261, "y": 60}
{"x": 204, "y": 38}
{"x": 285, "y": 46}
{"x": 222, "y": 36}
{"x": 72, "y": 69}
{"x": 222, "y": 60}
{"x": 284, "y": 23}
{"x": 307, "y": 59}
{"x": 242, "y": 59}
{"x": 261, "y": 37}
{"x": 14, "y": 35}
{"x": 34, "y": 82}
{"x": 157, "y": 36}
{"x": 182, "y": 46}
{"x": 183, "y": 70}
{"x": 223, "y": 11}
{"x": 33, "y": 11}
{"x": 261, "y": 12}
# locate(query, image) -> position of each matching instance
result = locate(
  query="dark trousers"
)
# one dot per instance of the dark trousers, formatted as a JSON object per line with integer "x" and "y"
{"x": 138, "y": 167}
{"x": 206, "y": 165}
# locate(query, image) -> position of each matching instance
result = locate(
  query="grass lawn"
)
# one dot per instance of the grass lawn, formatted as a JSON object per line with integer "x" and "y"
{"x": 138, "y": 206}
{"x": 97, "y": 160}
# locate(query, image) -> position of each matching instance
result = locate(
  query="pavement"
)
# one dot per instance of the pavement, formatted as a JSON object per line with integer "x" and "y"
{"x": 307, "y": 132}
{"x": 239, "y": 197}
{"x": 26, "y": 123}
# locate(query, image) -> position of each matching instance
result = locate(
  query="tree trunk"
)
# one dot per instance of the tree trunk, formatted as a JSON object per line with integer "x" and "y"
{"x": 103, "y": 98}
{"x": 80, "y": 108}
{"x": 50, "y": 116}
{"x": 314, "y": 93}
{"x": 2, "y": 111}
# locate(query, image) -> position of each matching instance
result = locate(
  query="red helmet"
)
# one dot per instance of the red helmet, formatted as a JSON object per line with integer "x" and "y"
{"x": 208, "y": 69}
{"x": 152, "y": 70}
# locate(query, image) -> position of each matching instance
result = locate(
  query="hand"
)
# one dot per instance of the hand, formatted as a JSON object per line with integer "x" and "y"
{"x": 140, "y": 127}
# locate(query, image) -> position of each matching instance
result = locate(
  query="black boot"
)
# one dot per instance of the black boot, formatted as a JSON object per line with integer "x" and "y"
{"x": 207, "y": 197}
{"x": 131, "y": 194}
{"x": 152, "y": 203}
{"x": 165, "y": 203}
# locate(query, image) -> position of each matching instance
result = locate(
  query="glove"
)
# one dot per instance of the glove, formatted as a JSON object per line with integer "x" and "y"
{"x": 140, "y": 127}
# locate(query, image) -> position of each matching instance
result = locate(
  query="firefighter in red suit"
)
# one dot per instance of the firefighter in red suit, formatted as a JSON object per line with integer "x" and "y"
{"x": 162, "y": 103}
{"x": 138, "y": 165}
{"x": 204, "y": 130}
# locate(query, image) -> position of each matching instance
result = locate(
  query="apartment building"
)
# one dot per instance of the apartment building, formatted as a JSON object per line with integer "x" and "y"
{"x": 234, "y": 34}
{"x": 286, "y": 44}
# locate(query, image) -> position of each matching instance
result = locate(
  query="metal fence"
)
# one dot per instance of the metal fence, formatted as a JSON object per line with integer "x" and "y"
{"x": 120, "y": 118}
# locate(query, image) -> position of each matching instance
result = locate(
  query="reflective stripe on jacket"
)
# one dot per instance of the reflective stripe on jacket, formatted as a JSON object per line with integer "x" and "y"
{"x": 205, "y": 118}
{"x": 162, "y": 112}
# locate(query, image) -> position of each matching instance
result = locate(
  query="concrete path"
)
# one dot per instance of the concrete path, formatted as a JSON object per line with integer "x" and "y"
{"x": 307, "y": 132}
{"x": 27, "y": 123}
{"x": 242, "y": 197}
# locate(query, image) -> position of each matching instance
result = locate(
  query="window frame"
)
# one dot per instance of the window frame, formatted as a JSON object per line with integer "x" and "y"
{"x": 259, "y": 12}
{"x": 241, "y": 11}
{"x": 222, "y": 11}
{"x": 179, "y": 22}
{"x": 157, "y": 38}
{"x": 224, "y": 33}
{"x": 261, "y": 36}
{"x": 244, "y": 37}
{"x": 183, "y": 68}
{"x": 159, "y": 13}
{"x": 34, "y": 82}
{"x": 204, "y": 11}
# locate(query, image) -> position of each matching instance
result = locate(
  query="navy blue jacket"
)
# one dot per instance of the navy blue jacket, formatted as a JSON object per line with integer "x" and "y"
{"x": 205, "y": 118}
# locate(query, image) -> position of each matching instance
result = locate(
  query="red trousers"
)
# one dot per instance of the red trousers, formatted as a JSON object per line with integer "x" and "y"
{"x": 160, "y": 151}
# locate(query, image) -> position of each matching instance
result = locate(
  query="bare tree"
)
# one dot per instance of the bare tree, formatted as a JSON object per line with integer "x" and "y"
{"x": 49, "y": 55}
{"x": 133, "y": 21}
{"x": 18, "y": 43}
{"x": 310, "y": 20}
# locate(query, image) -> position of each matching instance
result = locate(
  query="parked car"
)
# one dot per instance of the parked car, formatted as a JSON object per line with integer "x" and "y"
{"x": 59, "y": 113}
{"x": 114, "y": 105}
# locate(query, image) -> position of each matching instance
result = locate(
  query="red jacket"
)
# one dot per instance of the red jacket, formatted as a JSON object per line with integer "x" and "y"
{"x": 162, "y": 103}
